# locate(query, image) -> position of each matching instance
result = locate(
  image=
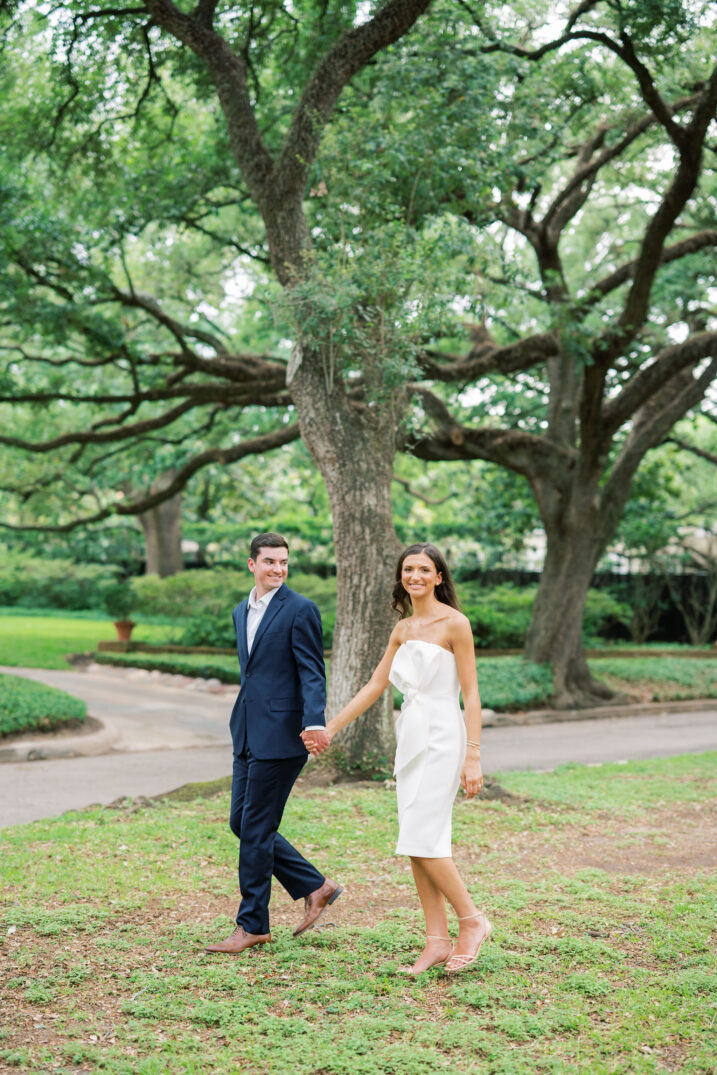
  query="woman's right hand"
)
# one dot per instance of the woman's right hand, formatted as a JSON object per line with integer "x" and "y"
{"x": 472, "y": 777}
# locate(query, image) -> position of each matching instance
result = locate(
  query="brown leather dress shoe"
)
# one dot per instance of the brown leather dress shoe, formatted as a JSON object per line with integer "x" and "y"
{"x": 316, "y": 903}
{"x": 238, "y": 941}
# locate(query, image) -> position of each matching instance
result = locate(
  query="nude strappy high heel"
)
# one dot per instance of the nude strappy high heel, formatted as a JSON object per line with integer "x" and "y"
{"x": 465, "y": 961}
{"x": 414, "y": 973}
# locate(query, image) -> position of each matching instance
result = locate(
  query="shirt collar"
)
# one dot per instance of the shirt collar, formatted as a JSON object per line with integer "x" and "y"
{"x": 263, "y": 601}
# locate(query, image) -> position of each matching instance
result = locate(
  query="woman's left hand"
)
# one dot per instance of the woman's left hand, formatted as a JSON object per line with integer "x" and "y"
{"x": 472, "y": 777}
{"x": 316, "y": 740}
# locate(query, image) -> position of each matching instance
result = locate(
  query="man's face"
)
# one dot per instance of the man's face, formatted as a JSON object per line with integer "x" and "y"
{"x": 269, "y": 569}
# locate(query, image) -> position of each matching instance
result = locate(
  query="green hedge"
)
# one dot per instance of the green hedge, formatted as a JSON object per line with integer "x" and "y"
{"x": 223, "y": 668}
{"x": 506, "y": 683}
{"x": 511, "y": 683}
{"x": 191, "y": 593}
{"x": 27, "y": 706}
{"x": 31, "y": 582}
{"x": 660, "y": 678}
{"x": 500, "y": 617}
{"x": 201, "y": 602}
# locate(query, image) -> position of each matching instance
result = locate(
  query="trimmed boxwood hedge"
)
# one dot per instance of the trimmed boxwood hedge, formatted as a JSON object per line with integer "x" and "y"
{"x": 203, "y": 666}
{"x": 26, "y": 706}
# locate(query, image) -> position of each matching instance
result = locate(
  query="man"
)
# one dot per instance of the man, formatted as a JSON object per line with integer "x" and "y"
{"x": 282, "y": 695}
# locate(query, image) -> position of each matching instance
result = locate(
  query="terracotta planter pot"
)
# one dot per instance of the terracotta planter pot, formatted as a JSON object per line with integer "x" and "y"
{"x": 124, "y": 629}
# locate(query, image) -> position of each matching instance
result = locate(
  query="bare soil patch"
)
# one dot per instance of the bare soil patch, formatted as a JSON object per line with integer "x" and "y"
{"x": 682, "y": 838}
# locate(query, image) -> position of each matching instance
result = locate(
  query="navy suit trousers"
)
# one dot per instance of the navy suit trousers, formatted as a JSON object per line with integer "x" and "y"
{"x": 260, "y": 789}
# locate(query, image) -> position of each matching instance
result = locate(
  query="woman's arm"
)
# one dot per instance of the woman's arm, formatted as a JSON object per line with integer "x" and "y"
{"x": 464, "y": 651}
{"x": 371, "y": 692}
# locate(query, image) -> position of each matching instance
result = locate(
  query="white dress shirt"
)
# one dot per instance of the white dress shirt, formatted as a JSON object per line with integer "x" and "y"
{"x": 255, "y": 614}
{"x": 256, "y": 608}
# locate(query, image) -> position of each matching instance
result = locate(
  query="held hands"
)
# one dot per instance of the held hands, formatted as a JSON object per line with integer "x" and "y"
{"x": 316, "y": 740}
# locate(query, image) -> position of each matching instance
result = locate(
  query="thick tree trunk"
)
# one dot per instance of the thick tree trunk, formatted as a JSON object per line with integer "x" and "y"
{"x": 354, "y": 451}
{"x": 162, "y": 527}
{"x": 366, "y": 552}
{"x": 555, "y": 633}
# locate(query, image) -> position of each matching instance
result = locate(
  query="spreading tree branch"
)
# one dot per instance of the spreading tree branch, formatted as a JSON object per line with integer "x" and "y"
{"x": 654, "y": 421}
{"x": 656, "y": 377}
{"x": 433, "y": 500}
{"x": 693, "y": 244}
{"x": 529, "y": 454}
{"x": 486, "y": 356}
{"x": 685, "y": 446}
{"x": 672, "y": 203}
{"x": 345, "y": 59}
{"x": 223, "y": 456}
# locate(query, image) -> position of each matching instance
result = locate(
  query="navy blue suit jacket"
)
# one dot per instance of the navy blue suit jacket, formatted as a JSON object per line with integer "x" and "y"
{"x": 283, "y": 680}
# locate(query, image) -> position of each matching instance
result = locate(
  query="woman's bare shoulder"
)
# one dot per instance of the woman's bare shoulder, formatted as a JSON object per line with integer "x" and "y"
{"x": 459, "y": 624}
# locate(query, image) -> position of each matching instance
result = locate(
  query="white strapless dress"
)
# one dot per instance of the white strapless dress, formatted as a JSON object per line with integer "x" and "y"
{"x": 430, "y": 747}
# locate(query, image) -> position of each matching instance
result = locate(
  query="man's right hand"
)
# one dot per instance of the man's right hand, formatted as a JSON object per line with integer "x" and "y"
{"x": 316, "y": 740}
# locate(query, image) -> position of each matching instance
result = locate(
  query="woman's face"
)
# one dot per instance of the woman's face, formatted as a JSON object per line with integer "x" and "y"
{"x": 419, "y": 575}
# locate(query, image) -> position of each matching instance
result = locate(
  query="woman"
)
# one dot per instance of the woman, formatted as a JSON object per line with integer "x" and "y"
{"x": 429, "y": 657}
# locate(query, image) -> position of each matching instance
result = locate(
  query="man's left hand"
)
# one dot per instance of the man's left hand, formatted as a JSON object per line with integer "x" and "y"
{"x": 316, "y": 740}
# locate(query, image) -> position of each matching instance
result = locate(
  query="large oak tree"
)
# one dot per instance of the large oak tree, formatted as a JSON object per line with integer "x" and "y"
{"x": 274, "y": 108}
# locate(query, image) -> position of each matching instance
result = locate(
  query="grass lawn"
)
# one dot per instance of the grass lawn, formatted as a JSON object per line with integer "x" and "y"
{"x": 658, "y": 679}
{"x": 39, "y": 639}
{"x": 600, "y": 883}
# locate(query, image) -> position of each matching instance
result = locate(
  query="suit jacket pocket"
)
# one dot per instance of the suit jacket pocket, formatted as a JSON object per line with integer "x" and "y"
{"x": 285, "y": 705}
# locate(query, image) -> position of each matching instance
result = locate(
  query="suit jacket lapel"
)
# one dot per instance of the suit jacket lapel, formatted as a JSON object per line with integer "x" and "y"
{"x": 270, "y": 614}
{"x": 242, "y": 613}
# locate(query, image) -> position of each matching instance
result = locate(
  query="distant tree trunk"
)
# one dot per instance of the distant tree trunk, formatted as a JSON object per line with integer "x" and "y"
{"x": 574, "y": 546}
{"x": 162, "y": 527}
{"x": 354, "y": 450}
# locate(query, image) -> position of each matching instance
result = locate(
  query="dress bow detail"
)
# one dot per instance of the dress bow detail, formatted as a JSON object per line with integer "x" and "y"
{"x": 412, "y": 671}
{"x": 409, "y": 697}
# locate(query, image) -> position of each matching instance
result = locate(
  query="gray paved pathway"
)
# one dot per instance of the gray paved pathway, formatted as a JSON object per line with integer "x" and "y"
{"x": 32, "y": 790}
{"x": 138, "y": 710}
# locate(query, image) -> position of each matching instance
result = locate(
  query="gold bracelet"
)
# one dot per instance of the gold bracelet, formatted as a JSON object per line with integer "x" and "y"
{"x": 470, "y": 743}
